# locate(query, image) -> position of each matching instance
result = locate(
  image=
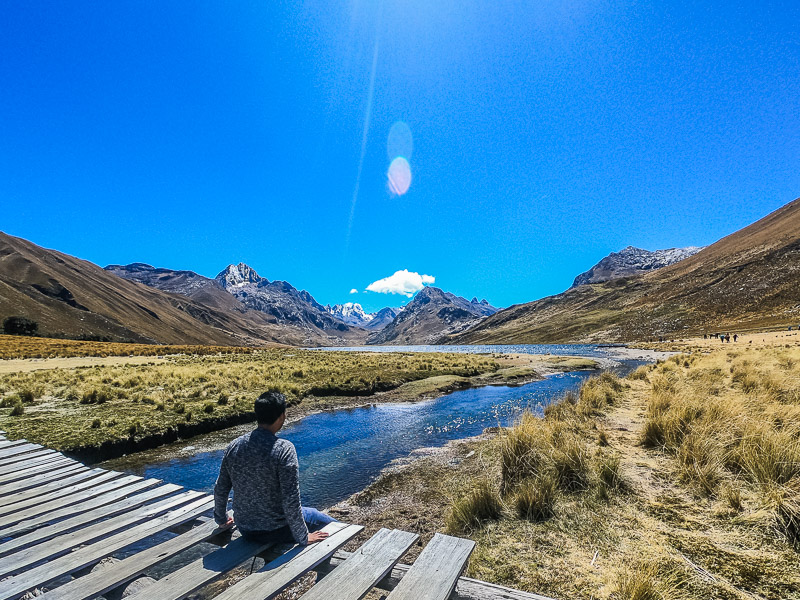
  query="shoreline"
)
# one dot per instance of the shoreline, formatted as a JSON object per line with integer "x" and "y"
{"x": 518, "y": 376}
{"x": 515, "y": 369}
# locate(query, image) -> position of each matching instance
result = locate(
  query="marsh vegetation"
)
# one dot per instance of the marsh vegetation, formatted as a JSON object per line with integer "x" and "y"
{"x": 68, "y": 409}
{"x": 680, "y": 481}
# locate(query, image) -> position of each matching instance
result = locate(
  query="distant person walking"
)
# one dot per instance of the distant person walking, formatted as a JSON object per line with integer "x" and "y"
{"x": 728, "y": 338}
{"x": 263, "y": 472}
{"x": 735, "y": 336}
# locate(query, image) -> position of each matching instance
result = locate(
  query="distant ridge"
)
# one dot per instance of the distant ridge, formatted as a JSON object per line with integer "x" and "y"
{"x": 282, "y": 317}
{"x": 633, "y": 261}
{"x": 74, "y": 298}
{"x": 431, "y": 316}
{"x": 353, "y": 313}
{"x": 748, "y": 279}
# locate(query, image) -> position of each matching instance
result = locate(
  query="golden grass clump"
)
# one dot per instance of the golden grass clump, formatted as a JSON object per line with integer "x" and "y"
{"x": 535, "y": 498}
{"x": 471, "y": 511}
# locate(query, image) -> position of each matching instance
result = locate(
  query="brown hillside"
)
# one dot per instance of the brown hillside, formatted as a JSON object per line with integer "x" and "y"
{"x": 75, "y": 298}
{"x": 749, "y": 279}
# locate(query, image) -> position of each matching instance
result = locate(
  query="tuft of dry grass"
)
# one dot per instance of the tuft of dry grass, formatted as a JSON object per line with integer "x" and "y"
{"x": 472, "y": 510}
{"x": 535, "y": 498}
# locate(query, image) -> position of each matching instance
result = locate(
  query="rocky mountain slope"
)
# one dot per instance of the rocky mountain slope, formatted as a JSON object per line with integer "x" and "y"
{"x": 353, "y": 313}
{"x": 285, "y": 304}
{"x": 382, "y": 318}
{"x": 430, "y": 316}
{"x": 749, "y": 279}
{"x": 74, "y": 298}
{"x": 284, "y": 314}
{"x": 633, "y": 261}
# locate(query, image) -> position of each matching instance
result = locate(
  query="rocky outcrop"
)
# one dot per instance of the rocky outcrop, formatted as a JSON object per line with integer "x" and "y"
{"x": 633, "y": 261}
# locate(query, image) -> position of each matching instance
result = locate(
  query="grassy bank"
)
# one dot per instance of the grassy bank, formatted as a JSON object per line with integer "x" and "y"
{"x": 104, "y": 411}
{"x": 69, "y": 409}
{"x": 682, "y": 481}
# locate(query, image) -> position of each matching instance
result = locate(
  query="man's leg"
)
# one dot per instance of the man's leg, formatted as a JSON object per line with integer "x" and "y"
{"x": 316, "y": 520}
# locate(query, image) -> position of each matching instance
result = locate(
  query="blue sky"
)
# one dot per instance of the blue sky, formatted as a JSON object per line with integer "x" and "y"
{"x": 545, "y": 134}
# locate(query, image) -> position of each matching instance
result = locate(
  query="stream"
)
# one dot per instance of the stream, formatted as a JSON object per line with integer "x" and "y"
{"x": 343, "y": 451}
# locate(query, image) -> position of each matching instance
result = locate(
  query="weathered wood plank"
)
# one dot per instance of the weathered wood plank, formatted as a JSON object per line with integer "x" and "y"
{"x": 40, "y": 480}
{"x": 21, "y": 449}
{"x": 26, "y": 462}
{"x": 356, "y": 576}
{"x": 434, "y": 574}
{"x": 32, "y": 555}
{"x": 466, "y": 588}
{"x": 40, "y": 510}
{"x": 99, "y": 582}
{"x": 64, "y": 487}
{"x": 77, "y": 515}
{"x": 4, "y": 443}
{"x": 278, "y": 574}
{"x": 29, "y": 471}
{"x": 16, "y": 586}
{"x": 192, "y": 577}
{"x": 12, "y": 460}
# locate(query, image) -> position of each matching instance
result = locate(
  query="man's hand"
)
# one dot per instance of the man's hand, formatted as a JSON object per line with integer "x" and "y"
{"x": 317, "y": 536}
{"x": 226, "y": 525}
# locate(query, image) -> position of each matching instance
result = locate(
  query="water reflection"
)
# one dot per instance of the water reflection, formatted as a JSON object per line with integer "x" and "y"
{"x": 341, "y": 452}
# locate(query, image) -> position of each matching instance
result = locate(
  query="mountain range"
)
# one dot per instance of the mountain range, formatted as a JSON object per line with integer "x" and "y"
{"x": 749, "y": 279}
{"x": 353, "y": 313}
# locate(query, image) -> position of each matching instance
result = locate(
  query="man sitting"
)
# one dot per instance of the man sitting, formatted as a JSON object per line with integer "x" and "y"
{"x": 263, "y": 471}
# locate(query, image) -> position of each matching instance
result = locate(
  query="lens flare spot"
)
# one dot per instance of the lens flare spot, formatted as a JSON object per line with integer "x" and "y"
{"x": 400, "y": 142}
{"x": 399, "y": 176}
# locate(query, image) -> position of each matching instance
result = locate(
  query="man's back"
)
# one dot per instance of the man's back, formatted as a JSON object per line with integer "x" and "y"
{"x": 262, "y": 469}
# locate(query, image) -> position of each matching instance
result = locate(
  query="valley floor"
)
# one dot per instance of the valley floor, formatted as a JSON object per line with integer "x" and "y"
{"x": 101, "y": 407}
{"x": 682, "y": 481}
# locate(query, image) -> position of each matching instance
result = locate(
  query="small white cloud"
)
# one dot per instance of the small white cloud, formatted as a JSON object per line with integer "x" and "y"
{"x": 354, "y": 291}
{"x": 403, "y": 282}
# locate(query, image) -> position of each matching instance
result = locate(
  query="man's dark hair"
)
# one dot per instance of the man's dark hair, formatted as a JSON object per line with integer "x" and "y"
{"x": 270, "y": 406}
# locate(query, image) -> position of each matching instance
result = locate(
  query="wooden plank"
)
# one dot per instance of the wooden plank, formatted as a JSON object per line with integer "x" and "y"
{"x": 16, "y": 586}
{"x": 4, "y": 443}
{"x": 30, "y": 461}
{"x": 192, "y": 577}
{"x": 84, "y": 519}
{"x": 278, "y": 574}
{"x": 75, "y": 510}
{"x": 466, "y": 588}
{"x": 112, "y": 576}
{"x": 59, "y": 489}
{"x": 21, "y": 449}
{"x": 41, "y": 509}
{"x": 434, "y": 574}
{"x": 27, "y": 557}
{"x": 29, "y": 471}
{"x": 353, "y": 579}
{"x": 24, "y": 457}
{"x": 39, "y": 480}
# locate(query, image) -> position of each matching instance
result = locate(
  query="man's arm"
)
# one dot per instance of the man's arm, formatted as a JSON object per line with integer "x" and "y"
{"x": 222, "y": 490}
{"x": 289, "y": 477}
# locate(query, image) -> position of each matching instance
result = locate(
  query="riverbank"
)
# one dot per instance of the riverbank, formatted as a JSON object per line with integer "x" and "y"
{"x": 105, "y": 411}
{"x": 682, "y": 481}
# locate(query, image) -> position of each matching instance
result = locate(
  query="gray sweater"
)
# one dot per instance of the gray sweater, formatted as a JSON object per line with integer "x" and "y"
{"x": 263, "y": 471}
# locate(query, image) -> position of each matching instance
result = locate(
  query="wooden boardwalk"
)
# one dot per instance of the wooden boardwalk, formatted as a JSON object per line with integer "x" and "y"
{"x": 59, "y": 518}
